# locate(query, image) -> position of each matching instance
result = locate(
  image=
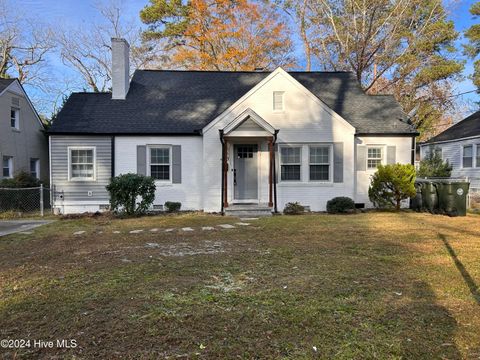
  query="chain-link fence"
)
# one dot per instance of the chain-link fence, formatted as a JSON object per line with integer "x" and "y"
{"x": 25, "y": 200}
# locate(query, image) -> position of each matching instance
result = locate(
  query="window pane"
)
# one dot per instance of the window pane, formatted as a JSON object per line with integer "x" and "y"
{"x": 290, "y": 172}
{"x": 468, "y": 151}
{"x": 319, "y": 155}
{"x": 467, "y": 162}
{"x": 374, "y": 153}
{"x": 373, "y": 163}
{"x": 319, "y": 172}
{"x": 33, "y": 167}
{"x": 290, "y": 155}
{"x": 82, "y": 171}
{"x": 160, "y": 172}
{"x": 244, "y": 152}
{"x": 478, "y": 156}
{"x": 160, "y": 156}
{"x": 6, "y": 171}
{"x": 13, "y": 118}
{"x": 84, "y": 156}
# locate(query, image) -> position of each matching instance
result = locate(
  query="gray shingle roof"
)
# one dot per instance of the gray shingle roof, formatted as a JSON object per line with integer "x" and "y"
{"x": 470, "y": 126}
{"x": 4, "y": 83}
{"x": 183, "y": 102}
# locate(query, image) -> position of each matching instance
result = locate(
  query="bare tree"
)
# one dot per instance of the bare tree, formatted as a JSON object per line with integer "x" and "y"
{"x": 404, "y": 47}
{"x": 24, "y": 45}
{"x": 88, "y": 50}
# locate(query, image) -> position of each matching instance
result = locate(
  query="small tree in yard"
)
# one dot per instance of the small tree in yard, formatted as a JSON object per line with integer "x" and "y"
{"x": 434, "y": 166}
{"x": 391, "y": 184}
{"x": 131, "y": 193}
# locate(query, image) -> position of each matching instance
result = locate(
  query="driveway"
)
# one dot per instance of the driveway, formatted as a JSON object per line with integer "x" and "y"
{"x": 14, "y": 226}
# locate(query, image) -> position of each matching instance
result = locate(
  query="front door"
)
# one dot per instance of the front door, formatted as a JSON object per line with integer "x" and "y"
{"x": 245, "y": 174}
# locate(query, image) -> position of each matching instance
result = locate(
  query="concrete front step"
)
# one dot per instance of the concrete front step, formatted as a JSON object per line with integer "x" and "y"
{"x": 248, "y": 210}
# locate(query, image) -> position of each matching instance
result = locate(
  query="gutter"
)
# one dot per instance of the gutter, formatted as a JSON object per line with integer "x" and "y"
{"x": 389, "y": 134}
{"x": 430, "y": 143}
{"x": 195, "y": 133}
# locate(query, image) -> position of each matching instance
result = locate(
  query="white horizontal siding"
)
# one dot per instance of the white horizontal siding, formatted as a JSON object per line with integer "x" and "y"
{"x": 453, "y": 152}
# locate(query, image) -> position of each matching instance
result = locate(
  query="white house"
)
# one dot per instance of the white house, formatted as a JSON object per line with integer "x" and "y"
{"x": 460, "y": 146}
{"x": 216, "y": 140}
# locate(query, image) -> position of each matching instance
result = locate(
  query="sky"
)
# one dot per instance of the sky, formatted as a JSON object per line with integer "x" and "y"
{"x": 81, "y": 13}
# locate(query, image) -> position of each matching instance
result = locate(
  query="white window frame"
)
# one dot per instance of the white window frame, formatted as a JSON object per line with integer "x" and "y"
{"x": 17, "y": 118}
{"x": 382, "y": 158}
{"x": 37, "y": 167}
{"x": 10, "y": 167}
{"x": 300, "y": 163}
{"x": 463, "y": 156}
{"x": 70, "y": 177}
{"x": 282, "y": 96}
{"x": 330, "y": 162}
{"x": 149, "y": 170}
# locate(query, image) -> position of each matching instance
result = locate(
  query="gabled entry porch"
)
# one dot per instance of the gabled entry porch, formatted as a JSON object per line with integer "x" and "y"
{"x": 248, "y": 163}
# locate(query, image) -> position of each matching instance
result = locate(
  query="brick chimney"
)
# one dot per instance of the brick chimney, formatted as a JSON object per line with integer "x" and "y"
{"x": 120, "y": 68}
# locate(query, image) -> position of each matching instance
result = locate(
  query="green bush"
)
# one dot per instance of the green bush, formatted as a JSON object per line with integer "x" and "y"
{"x": 391, "y": 184}
{"x": 21, "y": 180}
{"x": 131, "y": 193}
{"x": 340, "y": 204}
{"x": 293, "y": 208}
{"x": 173, "y": 206}
{"x": 434, "y": 166}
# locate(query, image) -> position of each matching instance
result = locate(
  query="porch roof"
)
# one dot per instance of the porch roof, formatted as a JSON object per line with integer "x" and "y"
{"x": 249, "y": 124}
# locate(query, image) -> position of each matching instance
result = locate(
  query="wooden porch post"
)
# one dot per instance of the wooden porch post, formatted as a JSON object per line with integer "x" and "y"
{"x": 225, "y": 175}
{"x": 270, "y": 174}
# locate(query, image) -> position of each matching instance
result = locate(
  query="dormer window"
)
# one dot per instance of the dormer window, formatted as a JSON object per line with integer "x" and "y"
{"x": 278, "y": 100}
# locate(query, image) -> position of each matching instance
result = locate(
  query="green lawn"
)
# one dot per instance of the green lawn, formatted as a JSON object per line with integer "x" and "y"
{"x": 373, "y": 285}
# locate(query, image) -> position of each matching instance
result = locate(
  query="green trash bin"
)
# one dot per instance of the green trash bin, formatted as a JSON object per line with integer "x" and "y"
{"x": 452, "y": 197}
{"x": 416, "y": 202}
{"x": 429, "y": 196}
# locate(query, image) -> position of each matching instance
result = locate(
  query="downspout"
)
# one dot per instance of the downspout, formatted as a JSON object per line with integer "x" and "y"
{"x": 221, "y": 167}
{"x": 275, "y": 174}
{"x": 112, "y": 165}
{"x": 414, "y": 150}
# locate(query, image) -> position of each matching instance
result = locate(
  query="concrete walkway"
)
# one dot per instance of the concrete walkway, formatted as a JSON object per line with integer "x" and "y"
{"x": 8, "y": 227}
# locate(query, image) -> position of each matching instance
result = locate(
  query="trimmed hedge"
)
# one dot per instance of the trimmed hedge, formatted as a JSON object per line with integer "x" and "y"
{"x": 173, "y": 206}
{"x": 340, "y": 205}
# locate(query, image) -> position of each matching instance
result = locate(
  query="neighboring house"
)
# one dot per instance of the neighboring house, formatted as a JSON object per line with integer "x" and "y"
{"x": 213, "y": 140}
{"x": 460, "y": 145}
{"x": 23, "y": 144}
